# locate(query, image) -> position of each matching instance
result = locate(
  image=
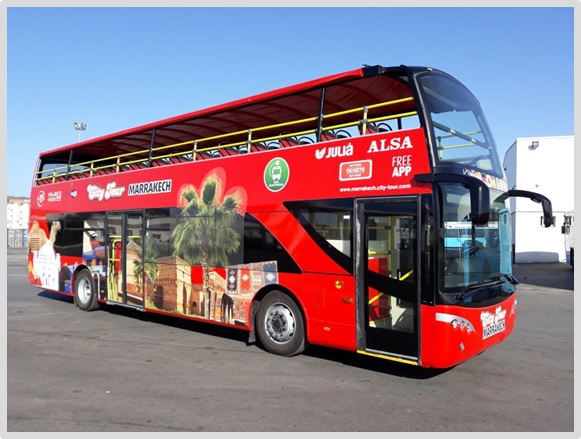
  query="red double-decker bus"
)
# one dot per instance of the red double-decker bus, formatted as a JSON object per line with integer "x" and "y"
{"x": 364, "y": 211}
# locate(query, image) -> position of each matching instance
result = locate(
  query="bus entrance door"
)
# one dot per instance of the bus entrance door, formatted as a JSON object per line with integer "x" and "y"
{"x": 126, "y": 259}
{"x": 387, "y": 293}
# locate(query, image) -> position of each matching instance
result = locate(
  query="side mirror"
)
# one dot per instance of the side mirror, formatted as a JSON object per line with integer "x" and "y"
{"x": 479, "y": 193}
{"x": 548, "y": 219}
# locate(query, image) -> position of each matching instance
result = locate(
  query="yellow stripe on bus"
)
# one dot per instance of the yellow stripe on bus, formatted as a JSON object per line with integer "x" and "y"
{"x": 389, "y": 357}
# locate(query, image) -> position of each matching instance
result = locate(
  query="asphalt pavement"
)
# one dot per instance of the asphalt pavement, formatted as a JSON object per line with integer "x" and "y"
{"x": 121, "y": 370}
{"x": 550, "y": 275}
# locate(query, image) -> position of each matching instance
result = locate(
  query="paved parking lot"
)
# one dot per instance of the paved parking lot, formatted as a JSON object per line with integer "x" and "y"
{"x": 553, "y": 275}
{"x": 126, "y": 371}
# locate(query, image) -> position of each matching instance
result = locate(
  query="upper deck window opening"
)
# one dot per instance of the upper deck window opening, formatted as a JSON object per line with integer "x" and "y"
{"x": 460, "y": 130}
{"x": 342, "y": 109}
{"x": 56, "y": 168}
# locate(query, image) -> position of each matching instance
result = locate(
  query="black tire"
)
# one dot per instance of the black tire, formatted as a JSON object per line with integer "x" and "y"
{"x": 85, "y": 291}
{"x": 280, "y": 326}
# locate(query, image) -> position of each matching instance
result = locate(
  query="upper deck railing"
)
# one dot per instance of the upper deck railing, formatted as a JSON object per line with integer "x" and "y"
{"x": 220, "y": 146}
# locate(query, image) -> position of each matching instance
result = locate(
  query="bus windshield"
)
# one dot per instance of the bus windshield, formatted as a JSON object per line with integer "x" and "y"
{"x": 474, "y": 255}
{"x": 458, "y": 125}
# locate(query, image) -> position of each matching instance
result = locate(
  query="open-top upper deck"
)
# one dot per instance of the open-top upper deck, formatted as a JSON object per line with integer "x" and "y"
{"x": 349, "y": 104}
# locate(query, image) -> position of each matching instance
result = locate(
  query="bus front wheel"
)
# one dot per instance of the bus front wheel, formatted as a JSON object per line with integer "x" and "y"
{"x": 85, "y": 292}
{"x": 280, "y": 325}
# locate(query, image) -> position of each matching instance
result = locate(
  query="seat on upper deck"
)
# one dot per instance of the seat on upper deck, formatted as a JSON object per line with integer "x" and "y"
{"x": 334, "y": 134}
{"x": 373, "y": 128}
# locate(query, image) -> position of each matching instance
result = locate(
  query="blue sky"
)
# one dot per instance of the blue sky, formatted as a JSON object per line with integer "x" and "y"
{"x": 114, "y": 68}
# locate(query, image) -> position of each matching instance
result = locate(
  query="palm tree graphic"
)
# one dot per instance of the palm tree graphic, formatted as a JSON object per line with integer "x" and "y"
{"x": 205, "y": 235}
{"x": 147, "y": 266}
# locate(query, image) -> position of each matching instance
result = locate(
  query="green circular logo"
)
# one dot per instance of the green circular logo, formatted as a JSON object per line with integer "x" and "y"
{"x": 276, "y": 174}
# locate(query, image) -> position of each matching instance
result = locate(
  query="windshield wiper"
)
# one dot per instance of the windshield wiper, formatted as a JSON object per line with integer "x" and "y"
{"x": 506, "y": 277}
{"x": 493, "y": 280}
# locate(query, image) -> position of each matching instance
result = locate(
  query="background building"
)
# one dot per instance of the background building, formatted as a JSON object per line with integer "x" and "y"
{"x": 544, "y": 165}
{"x": 17, "y": 221}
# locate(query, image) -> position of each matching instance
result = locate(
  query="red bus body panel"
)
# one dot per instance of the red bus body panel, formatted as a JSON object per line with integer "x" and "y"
{"x": 453, "y": 334}
{"x": 364, "y": 166}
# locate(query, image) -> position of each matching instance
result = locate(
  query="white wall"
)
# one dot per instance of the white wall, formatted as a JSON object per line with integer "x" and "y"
{"x": 548, "y": 170}
{"x": 17, "y": 214}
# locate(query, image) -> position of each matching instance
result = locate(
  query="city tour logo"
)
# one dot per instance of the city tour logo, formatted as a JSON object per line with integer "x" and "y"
{"x": 493, "y": 323}
{"x": 276, "y": 174}
{"x": 99, "y": 193}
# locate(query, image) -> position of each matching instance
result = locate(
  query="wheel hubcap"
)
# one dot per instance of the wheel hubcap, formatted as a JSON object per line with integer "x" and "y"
{"x": 84, "y": 290}
{"x": 280, "y": 323}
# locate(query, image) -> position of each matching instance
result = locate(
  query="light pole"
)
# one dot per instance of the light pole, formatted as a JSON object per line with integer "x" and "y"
{"x": 80, "y": 127}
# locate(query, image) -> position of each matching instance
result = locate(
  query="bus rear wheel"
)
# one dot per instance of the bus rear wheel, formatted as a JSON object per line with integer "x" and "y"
{"x": 280, "y": 326}
{"x": 85, "y": 292}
